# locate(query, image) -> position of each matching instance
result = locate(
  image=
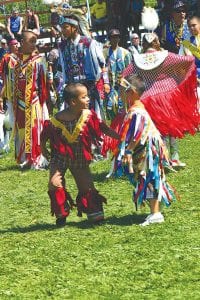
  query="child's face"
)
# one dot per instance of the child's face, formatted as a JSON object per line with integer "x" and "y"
{"x": 130, "y": 97}
{"x": 194, "y": 26}
{"x": 29, "y": 43}
{"x": 82, "y": 101}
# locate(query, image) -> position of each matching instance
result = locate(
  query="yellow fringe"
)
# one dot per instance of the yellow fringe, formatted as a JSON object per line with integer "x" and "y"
{"x": 72, "y": 138}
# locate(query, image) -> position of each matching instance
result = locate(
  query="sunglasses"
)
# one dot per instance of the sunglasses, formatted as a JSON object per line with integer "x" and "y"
{"x": 115, "y": 36}
{"x": 178, "y": 11}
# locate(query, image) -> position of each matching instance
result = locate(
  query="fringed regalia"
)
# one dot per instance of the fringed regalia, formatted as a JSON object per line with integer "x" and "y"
{"x": 116, "y": 61}
{"x": 195, "y": 40}
{"x": 170, "y": 96}
{"x": 70, "y": 144}
{"x": 148, "y": 157}
{"x": 29, "y": 105}
{"x": 81, "y": 60}
{"x": 7, "y": 65}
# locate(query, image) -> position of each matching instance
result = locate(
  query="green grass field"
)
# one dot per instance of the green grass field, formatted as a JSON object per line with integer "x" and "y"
{"x": 115, "y": 260}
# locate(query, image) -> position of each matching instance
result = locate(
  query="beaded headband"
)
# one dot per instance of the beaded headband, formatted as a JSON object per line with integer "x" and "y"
{"x": 63, "y": 20}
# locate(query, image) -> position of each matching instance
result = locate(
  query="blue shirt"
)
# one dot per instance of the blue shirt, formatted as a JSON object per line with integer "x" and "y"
{"x": 80, "y": 60}
{"x": 15, "y": 24}
{"x": 2, "y": 52}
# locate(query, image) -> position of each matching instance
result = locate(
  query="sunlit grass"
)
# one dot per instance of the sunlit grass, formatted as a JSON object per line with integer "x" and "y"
{"x": 114, "y": 260}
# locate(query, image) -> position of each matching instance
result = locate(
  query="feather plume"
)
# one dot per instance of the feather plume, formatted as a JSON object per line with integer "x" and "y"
{"x": 48, "y": 2}
{"x": 150, "y": 19}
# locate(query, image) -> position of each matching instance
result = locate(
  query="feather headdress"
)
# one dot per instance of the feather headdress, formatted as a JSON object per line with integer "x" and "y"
{"x": 52, "y": 2}
{"x": 73, "y": 16}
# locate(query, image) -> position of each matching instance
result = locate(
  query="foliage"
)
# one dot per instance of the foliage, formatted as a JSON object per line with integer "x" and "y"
{"x": 151, "y": 3}
{"x": 36, "y": 5}
{"x": 114, "y": 260}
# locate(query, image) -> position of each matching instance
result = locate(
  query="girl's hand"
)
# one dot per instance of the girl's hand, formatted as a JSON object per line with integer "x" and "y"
{"x": 106, "y": 88}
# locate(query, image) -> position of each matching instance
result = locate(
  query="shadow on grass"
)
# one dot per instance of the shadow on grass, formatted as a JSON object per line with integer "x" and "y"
{"x": 126, "y": 220}
{"x": 99, "y": 177}
{"x": 30, "y": 228}
{"x": 84, "y": 224}
{"x": 48, "y": 227}
{"x": 10, "y": 168}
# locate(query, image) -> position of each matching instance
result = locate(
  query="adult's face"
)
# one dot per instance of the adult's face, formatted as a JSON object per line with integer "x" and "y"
{"x": 28, "y": 43}
{"x": 4, "y": 45}
{"x": 15, "y": 14}
{"x": 114, "y": 40}
{"x": 135, "y": 40}
{"x": 68, "y": 30}
{"x": 29, "y": 12}
{"x": 179, "y": 15}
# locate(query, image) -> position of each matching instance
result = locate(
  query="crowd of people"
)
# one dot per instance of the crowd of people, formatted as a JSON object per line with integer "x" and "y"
{"x": 148, "y": 92}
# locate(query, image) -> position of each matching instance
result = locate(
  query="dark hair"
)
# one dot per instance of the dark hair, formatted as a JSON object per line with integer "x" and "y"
{"x": 137, "y": 82}
{"x": 146, "y": 45}
{"x": 30, "y": 9}
{"x": 71, "y": 92}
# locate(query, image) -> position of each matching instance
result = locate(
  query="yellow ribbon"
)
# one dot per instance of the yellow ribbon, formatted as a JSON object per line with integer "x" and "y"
{"x": 193, "y": 49}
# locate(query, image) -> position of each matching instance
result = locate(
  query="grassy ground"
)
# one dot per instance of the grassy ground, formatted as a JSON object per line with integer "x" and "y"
{"x": 115, "y": 260}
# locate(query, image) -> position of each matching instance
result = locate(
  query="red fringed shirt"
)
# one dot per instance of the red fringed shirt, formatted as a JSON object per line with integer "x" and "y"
{"x": 63, "y": 141}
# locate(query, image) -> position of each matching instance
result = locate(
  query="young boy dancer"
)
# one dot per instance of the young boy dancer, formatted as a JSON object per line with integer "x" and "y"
{"x": 71, "y": 133}
{"x": 142, "y": 155}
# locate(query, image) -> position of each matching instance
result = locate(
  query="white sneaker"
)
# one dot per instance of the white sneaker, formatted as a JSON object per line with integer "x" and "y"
{"x": 178, "y": 163}
{"x": 153, "y": 218}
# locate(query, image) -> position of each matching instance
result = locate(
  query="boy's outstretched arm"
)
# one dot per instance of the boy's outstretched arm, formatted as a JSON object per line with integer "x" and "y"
{"x": 109, "y": 131}
{"x": 44, "y": 150}
{"x": 43, "y": 143}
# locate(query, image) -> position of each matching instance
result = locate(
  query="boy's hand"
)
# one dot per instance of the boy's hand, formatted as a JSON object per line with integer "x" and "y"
{"x": 56, "y": 180}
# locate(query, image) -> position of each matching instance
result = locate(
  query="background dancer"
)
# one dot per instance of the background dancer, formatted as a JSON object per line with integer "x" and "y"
{"x": 80, "y": 57}
{"x": 29, "y": 95}
{"x": 117, "y": 59}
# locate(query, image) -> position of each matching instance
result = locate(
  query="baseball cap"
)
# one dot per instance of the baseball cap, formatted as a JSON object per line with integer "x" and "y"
{"x": 3, "y": 41}
{"x": 177, "y": 5}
